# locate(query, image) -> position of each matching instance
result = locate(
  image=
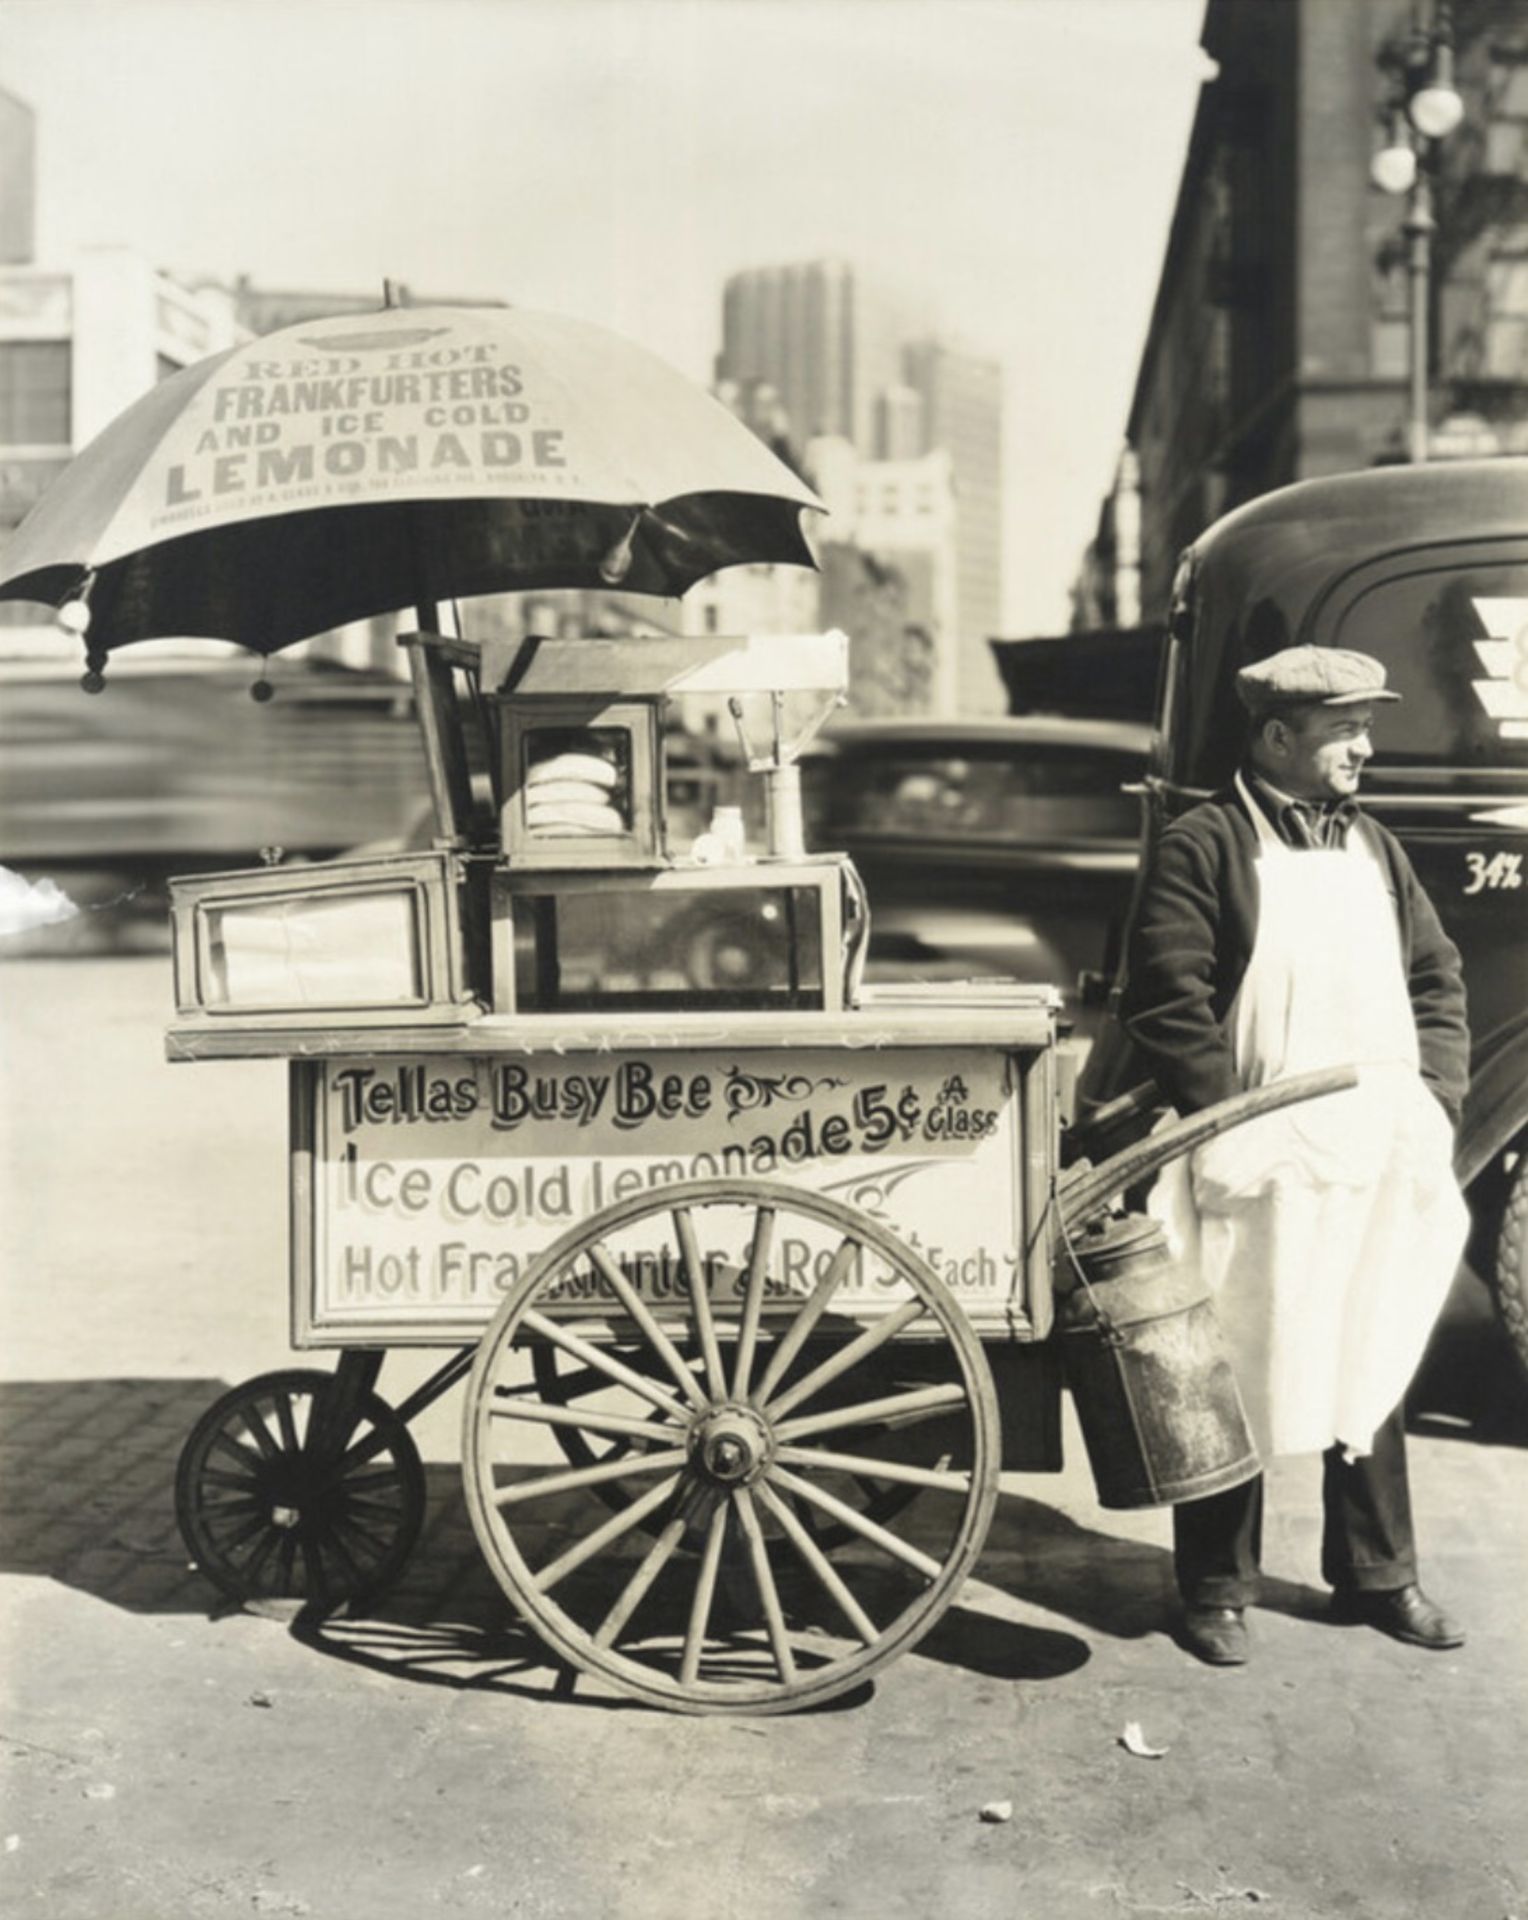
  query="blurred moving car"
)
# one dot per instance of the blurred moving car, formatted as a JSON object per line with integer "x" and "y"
{"x": 1426, "y": 568}
{"x": 173, "y": 768}
{"x": 999, "y": 849}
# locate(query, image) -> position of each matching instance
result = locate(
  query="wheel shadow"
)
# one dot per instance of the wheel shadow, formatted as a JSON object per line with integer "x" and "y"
{"x": 446, "y": 1623}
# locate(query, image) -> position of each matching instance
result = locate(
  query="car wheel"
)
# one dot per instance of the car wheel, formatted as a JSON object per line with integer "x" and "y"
{"x": 1509, "y": 1271}
{"x": 734, "y": 953}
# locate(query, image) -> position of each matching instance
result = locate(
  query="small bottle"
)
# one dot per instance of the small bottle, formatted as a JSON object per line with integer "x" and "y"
{"x": 724, "y": 842}
{"x": 727, "y": 826}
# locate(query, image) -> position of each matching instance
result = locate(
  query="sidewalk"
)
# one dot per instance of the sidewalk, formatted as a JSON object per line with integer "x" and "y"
{"x": 164, "y": 1758}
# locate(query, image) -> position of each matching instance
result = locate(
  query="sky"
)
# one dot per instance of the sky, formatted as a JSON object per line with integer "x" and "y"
{"x": 1015, "y": 161}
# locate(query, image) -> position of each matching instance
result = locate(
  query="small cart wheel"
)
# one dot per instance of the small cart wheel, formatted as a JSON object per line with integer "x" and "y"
{"x": 773, "y": 1362}
{"x": 277, "y": 1501}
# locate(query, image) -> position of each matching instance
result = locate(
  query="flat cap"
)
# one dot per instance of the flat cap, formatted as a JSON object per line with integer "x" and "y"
{"x": 1312, "y": 676}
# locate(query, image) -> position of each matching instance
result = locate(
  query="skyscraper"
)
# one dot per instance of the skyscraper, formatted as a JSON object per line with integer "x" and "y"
{"x": 962, "y": 407}
{"x": 826, "y": 337}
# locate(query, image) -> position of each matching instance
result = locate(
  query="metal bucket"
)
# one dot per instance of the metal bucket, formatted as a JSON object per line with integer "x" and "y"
{"x": 1157, "y": 1401}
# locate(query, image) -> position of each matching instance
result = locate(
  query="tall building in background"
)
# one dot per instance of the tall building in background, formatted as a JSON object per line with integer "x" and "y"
{"x": 824, "y": 336}
{"x": 843, "y": 358}
{"x": 1277, "y": 348}
{"x": 961, "y": 396}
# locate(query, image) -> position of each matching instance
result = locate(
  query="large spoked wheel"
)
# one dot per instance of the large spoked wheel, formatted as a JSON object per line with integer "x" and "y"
{"x": 721, "y": 1551}
{"x": 565, "y": 1382}
{"x": 281, "y": 1494}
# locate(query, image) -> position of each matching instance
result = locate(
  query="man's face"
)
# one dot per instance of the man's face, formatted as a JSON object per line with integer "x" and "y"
{"x": 1320, "y": 753}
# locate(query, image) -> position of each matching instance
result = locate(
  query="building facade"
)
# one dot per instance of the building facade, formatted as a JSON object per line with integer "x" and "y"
{"x": 79, "y": 342}
{"x": 18, "y": 191}
{"x": 961, "y": 402}
{"x": 902, "y": 516}
{"x": 1278, "y": 343}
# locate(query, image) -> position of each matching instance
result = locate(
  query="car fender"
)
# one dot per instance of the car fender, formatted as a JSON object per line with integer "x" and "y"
{"x": 1496, "y": 1106}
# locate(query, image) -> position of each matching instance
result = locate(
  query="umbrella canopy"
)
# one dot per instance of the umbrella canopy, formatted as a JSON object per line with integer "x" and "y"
{"x": 358, "y": 465}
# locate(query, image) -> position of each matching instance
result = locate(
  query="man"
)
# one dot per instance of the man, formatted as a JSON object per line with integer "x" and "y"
{"x": 1281, "y": 931}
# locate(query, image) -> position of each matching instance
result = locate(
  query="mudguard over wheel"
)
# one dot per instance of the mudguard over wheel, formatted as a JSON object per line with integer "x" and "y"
{"x": 727, "y": 1548}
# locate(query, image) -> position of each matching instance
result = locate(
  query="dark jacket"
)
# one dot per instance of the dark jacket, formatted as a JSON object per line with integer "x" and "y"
{"x": 1193, "y": 937}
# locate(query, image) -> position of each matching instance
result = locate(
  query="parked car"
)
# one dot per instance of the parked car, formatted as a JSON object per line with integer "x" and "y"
{"x": 996, "y": 848}
{"x": 1427, "y": 569}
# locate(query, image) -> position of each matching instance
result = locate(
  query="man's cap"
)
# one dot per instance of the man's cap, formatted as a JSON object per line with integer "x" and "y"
{"x": 1312, "y": 676}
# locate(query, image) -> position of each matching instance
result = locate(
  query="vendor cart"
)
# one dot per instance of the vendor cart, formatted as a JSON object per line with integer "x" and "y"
{"x": 747, "y": 1267}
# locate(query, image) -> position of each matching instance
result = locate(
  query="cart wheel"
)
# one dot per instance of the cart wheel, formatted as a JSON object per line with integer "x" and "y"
{"x": 273, "y": 1506}
{"x": 794, "y": 1403}
{"x": 562, "y": 1381}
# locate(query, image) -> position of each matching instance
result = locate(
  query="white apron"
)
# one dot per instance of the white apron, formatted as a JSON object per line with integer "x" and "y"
{"x": 1328, "y": 1233}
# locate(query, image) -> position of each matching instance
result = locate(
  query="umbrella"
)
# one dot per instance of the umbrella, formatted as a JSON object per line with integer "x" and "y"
{"x": 356, "y": 465}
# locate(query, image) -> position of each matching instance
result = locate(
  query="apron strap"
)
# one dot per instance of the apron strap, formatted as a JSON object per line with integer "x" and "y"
{"x": 1262, "y": 826}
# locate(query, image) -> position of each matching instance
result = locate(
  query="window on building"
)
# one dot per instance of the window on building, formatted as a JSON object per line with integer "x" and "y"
{"x": 1507, "y": 109}
{"x": 1506, "y": 355}
{"x": 34, "y": 393}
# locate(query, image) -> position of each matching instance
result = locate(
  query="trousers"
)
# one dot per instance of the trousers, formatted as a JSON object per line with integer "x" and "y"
{"x": 1367, "y": 1541}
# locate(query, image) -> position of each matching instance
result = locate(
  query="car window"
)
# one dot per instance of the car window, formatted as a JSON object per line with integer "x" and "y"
{"x": 924, "y": 791}
{"x": 1455, "y": 646}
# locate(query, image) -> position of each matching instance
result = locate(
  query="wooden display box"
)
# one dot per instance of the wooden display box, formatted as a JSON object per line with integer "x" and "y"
{"x": 358, "y": 941}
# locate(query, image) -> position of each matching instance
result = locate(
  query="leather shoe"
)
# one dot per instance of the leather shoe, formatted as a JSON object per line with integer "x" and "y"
{"x": 1405, "y": 1613}
{"x": 1216, "y": 1634}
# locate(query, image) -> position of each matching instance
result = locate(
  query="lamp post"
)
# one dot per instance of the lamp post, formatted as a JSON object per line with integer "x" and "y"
{"x": 1426, "y": 112}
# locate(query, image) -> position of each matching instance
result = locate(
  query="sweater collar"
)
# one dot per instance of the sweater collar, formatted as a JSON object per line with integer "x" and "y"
{"x": 1301, "y": 823}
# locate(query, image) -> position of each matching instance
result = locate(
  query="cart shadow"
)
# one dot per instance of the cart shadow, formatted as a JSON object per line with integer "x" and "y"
{"x": 446, "y": 1623}
{"x": 89, "y": 1475}
{"x": 89, "y": 1502}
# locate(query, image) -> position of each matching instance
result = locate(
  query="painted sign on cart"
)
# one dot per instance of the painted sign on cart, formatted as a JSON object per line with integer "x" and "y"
{"x": 434, "y": 1183}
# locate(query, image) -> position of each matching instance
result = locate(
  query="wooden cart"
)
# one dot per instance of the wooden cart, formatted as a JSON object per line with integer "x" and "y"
{"x": 728, "y": 1249}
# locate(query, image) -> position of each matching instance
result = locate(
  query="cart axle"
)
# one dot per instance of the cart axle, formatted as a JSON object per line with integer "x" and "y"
{"x": 732, "y": 1445}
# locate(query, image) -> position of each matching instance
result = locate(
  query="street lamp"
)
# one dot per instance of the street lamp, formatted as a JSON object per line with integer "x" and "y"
{"x": 1427, "y": 111}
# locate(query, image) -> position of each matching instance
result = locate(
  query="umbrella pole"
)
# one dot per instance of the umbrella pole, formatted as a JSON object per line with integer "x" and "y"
{"x": 440, "y": 725}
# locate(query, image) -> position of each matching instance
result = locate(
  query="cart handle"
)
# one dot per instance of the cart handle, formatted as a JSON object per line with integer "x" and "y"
{"x": 1085, "y": 1190}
